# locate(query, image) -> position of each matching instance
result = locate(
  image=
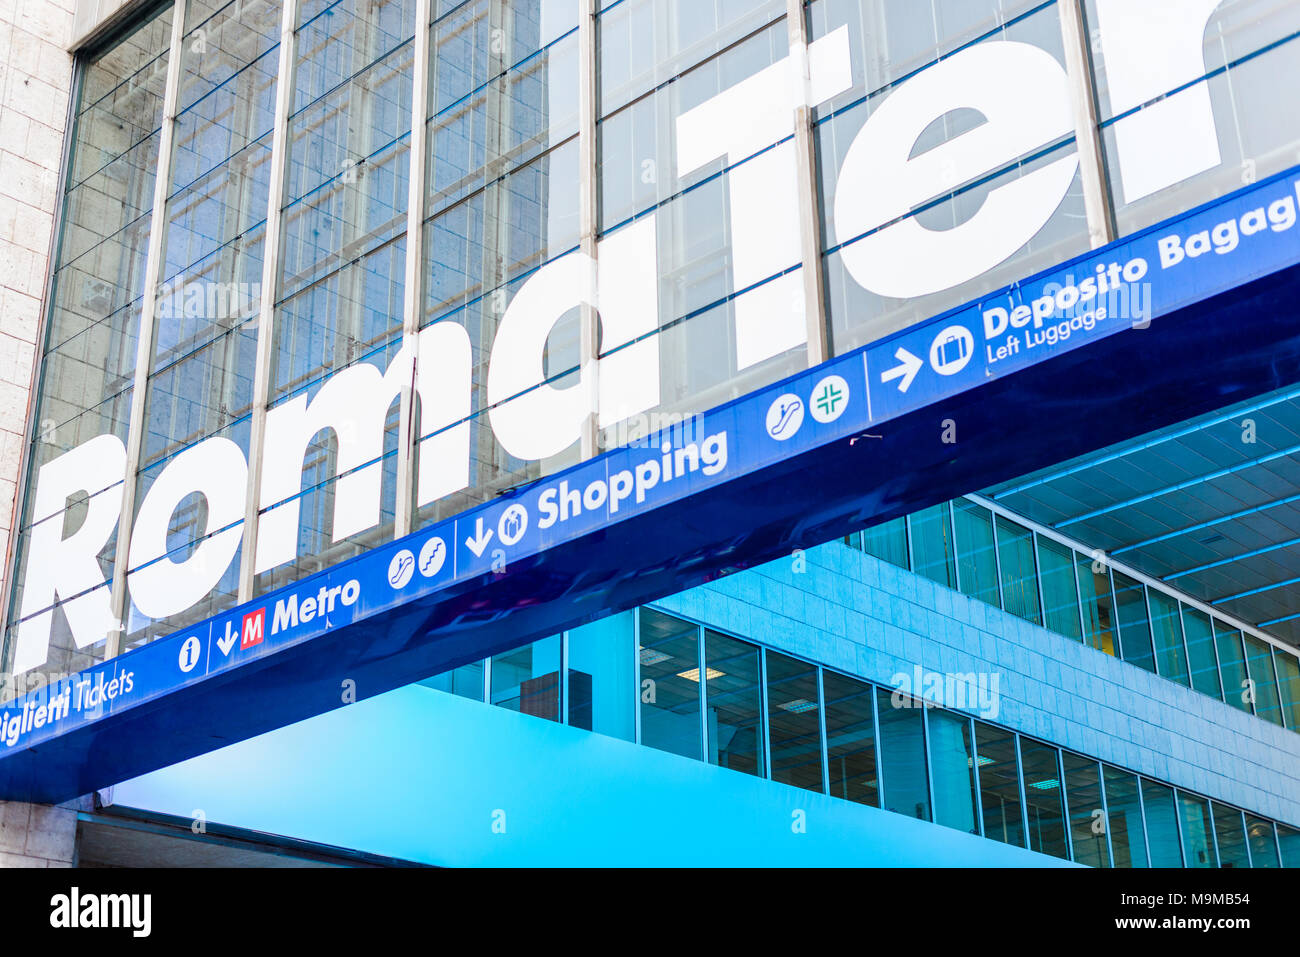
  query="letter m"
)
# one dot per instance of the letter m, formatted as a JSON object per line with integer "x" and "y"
{"x": 354, "y": 405}
{"x": 254, "y": 629}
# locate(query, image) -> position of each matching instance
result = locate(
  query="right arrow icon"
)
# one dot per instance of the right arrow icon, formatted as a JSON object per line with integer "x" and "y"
{"x": 910, "y": 366}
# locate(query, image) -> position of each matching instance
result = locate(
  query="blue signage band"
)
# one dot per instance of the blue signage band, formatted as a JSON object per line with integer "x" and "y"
{"x": 1105, "y": 347}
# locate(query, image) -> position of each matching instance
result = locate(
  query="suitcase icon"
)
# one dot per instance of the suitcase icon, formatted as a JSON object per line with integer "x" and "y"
{"x": 952, "y": 350}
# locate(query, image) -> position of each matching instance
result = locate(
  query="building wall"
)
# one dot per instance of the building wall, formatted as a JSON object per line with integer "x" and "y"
{"x": 35, "y": 78}
{"x": 857, "y": 614}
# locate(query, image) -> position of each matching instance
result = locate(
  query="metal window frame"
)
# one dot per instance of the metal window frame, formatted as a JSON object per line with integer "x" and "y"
{"x": 876, "y": 688}
{"x": 1115, "y": 566}
{"x": 9, "y": 573}
{"x": 288, "y": 68}
{"x": 1065, "y": 803}
{"x": 413, "y": 302}
{"x": 821, "y": 730}
{"x": 145, "y": 338}
{"x": 1105, "y": 810}
{"x": 1183, "y": 608}
{"x": 1024, "y": 805}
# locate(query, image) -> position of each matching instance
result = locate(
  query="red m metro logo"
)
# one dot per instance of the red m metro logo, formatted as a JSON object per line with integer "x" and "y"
{"x": 254, "y": 629}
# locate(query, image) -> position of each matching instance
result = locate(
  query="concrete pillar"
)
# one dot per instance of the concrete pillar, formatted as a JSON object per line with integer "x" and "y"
{"x": 39, "y": 835}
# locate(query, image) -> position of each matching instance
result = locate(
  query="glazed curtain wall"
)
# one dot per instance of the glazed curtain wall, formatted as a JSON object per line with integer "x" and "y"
{"x": 672, "y": 684}
{"x": 263, "y": 195}
{"x": 1076, "y": 592}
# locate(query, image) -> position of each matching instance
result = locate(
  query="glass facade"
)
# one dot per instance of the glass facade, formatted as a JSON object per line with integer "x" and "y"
{"x": 824, "y": 731}
{"x": 262, "y": 196}
{"x": 241, "y": 333}
{"x": 1083, "y": 597}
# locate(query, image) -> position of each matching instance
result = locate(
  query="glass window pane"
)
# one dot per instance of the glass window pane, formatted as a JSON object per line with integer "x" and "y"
{"x": 1019, "y": 576}
{"x": 902, "y": 755}
{"x": 952, "y": 765}
{"x": 1198, "y": 843}
{"x": 794, "y": 722}
{"x": 465, "y": 681}
{"x": 527, "y": 679}
{"x": 1134, "y": 630}
{"x": 887, "y": 541}
{"x": 1098, "y": 611}
{"x": 1162, "y": 824}
{"x": 1288, "y": 682}
{"x": 1288, "y": 838}
{"x": 999, "y": 784}
{"x": 1044, "y": 814}
{"x": 977, "y": 563}
{"x": 1263, "y": 681}
{"x": 1127, "y": 836}
{"x": 1200, "y": 652}
{"x": 1087, "y": 815}
{"x": 601, "y": 677}
{"x": 851, "y": 739}
{"x": 932, "y": 550}
{"x": 670, "y": 684}
{"x": 1171, "y": 659}
{"x": 1263, "y": 843}
{"x": 733, "y": 704}
{"x": 1230, "y": 834}
{"x": 1060, "y": 588}
{"x": 1232, "y": 668}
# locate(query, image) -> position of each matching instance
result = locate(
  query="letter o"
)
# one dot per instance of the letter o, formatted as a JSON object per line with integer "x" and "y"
{"x": 595, "y": 494}
{"x": 159, "y": 586}
{"x": 351, "y": 592}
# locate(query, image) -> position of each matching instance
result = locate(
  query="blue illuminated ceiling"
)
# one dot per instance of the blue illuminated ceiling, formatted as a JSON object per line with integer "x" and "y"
{"x": 1198, "y": 505}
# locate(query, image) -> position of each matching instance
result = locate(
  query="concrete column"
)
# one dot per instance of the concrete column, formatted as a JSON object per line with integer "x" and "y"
{"x": 39, "y": 835}
{"x": 35, "y": 78}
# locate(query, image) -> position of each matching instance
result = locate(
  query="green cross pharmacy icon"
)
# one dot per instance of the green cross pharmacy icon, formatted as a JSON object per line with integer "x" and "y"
{"x": 829, "y": 398}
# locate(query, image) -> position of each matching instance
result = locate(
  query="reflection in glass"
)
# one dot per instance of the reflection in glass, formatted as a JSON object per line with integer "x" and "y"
{"x": 1124, "y": 804}
{"x": 952, "y": 767}
{"x": 1263, "y": 680}
{"x": 1230, "y": 836}
{"x": 733, "y": 710}
{"x": 887, "y": 541}
{"x": 1134, "y": 630}
{"x": 792, "y": 715}
{"x": 851, "y": 739}
{"x": 1019, "y": 576}
{"x": 1087, "y": 813}
{"x": 527, "y": 679}
{"x": 1060, "y": 588}
{"x": 1198, "y": 838}
{"x": 1167, "y": 633}
{"x": 1232, "y": 667}
{"x": 1288, "y": 683}
{"x": 1098, "y": 611}
{"x": 1288, "y": 839}
{"x": 902, "y": 755}
{"x": 600, "y": 675}
{"x": 999, "y": 778}
{"x": 1263, "y": 842}
{"x": 1200, "y": 652}
{"x": 977, "y": 563}
{"x": 1162, "y": 824}
{"x": 465, "y": 681}
{"x": 1044, "y": 813}
{"x": 670, "y": 684}
{"x": 932, "y": 546}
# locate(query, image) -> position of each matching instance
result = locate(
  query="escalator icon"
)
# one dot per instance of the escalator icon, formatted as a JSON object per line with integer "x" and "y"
{"x": 785, "y": 417}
